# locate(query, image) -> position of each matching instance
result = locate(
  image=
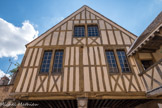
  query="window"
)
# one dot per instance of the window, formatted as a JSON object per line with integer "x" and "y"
{"x": 46, "y": 62}
{"x": 93, "y": 30}
{"x": 123, "y": 61}
{"x": 79, "y": 31}
{"x": 146, "y": 63}
{"x": 58, "y": 61}
{"x": 111, "y": 62}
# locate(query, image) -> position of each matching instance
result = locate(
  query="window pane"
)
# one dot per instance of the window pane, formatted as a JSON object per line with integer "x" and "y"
{"x": 93, "y": 31}
{"x": 111, "y": 62}
{"x": 123, "y": 61}
{"x": 58, "y": 61}
{"x": 46, "y": 62}
{"x": 79, "y": 31}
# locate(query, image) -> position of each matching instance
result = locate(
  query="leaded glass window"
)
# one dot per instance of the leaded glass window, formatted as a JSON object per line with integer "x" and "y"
{"x": 93, "y": 30}
{"x": 58, "y": 61}
{"x": 79, "y": 31}
{"x": 111, "y": 62}
{"x": 123, "y": 61}
{"x": 46, "y": 62}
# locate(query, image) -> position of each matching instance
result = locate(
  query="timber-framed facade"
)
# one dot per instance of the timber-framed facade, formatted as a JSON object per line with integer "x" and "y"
{"x": 85, "y": 68}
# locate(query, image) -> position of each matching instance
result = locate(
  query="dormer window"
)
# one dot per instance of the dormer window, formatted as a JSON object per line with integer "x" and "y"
{"x": 93, "y": 30}
{"x": 79, "y": 31}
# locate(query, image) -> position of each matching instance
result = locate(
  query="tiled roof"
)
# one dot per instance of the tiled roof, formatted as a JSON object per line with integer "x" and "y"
{"x": 148, "y": 30}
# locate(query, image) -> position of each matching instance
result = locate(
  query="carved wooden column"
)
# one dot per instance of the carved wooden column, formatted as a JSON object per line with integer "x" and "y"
{"x": 82, "y": 102}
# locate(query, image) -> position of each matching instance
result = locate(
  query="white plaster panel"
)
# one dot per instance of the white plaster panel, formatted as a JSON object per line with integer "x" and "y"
{"x": 21, "y": 80}
{"x": 94, "y": 80}
{"x": 96, "y": 55}
{"x": 82, "y": 21}
{"x": 63, "y": 27}
{"x": 38, "y": 57}
{"x": 27, "y": 80}
{"x": 126, "y": 39}
{"x": 28, "y": 57}
{"x": 102, "y": 55}
{"x": 61, "y": 38}
{"x": 77, "y": 55}
{"x": 70, "y": 25}
{"x": 108, "y": 26}
{"x": 67, "y": 56}
{"x": 118, "y": 37}
{"x": 54, "y": 38}
{"x": 77, "y": 79}
{"x": 104, "y": 37}
{"x": 33, "y": 57}
{"x": 88, "y": 21}
{"x": 94, "y": 21}
{"x": 106, "y": 76}
{"x": 85, "y": 56}
{"x": 47, "y": 40}
{"x": 78, "y": 16}
{"x": 100, "y": 79}
{"x": 76, "y": 22}
{"x": 40, "y": 43}
{"x": 111, "y": 38}
{"x": 102, "y": 25}
{"x": 91, "y": 55}
{"x": 71, "y": 79}
{"x": 87, "y": 15}
{"x": 72, "y": 56}
{"x": 83, "y": 14}
{"x": 86, "y": 79}
{"x": 33, "y": 80}
{"x": 68, "y": 37}
{"x": 65, "y": 79}
{"x": 92, "y": 16}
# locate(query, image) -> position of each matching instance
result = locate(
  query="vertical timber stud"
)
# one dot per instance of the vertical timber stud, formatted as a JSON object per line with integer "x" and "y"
{"x": 82, "y": 102}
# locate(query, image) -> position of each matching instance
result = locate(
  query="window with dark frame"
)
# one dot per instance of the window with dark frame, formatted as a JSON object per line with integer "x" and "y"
{"x": 79, "y": 31}
{"x": 58, "y": 61}
{"x": 123, "y": 61}
{"x": 146, "y": 63}
{"x": 111, "y": 61}
{"x": 45, "y": 66}
{"x": 93, "y": 30}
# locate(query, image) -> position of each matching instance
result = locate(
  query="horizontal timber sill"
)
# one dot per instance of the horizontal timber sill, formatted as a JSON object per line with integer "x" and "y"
{"x": 65, "y": 96}
{"x": 151, "y": 67}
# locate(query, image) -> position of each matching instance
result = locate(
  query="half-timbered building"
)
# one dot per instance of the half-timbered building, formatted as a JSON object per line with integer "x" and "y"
{"x": 82, "y": 62}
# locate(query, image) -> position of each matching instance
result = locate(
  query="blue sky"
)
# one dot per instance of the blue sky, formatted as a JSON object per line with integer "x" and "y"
{"x": 40, "y": 15}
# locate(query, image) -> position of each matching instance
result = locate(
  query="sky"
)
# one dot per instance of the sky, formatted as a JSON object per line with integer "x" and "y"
{"x": 23, "y": 20}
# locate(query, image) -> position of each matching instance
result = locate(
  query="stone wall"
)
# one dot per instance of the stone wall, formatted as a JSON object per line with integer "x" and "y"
{"x": 5, "y": 91}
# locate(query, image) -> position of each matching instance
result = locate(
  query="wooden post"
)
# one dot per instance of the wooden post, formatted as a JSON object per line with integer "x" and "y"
{"x": 82, "y": 102}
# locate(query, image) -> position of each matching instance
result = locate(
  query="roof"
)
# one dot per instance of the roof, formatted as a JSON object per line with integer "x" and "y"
{"x": 156, "y": 23}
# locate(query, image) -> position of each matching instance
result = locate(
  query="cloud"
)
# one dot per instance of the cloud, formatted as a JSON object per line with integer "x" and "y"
{"x": 13, "y": 39}
{"x": 3, "y": 74}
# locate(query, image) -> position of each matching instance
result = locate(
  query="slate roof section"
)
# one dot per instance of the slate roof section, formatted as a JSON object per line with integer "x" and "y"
{"x": 155, "y": 23}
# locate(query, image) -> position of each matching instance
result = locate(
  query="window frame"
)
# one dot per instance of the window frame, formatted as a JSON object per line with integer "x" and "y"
{"x": 56, "y": 73}
{"x": 115, "y": 62}
{"x": 77, "y": 25}
{"x": 115, "y": 49}
{"x": 53, "y": 49}
{"x": 41, "y": 61}
{"x": 126, "y": 59}
{"x": 94, "y": 26}
{"x": 86, "y": 30}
